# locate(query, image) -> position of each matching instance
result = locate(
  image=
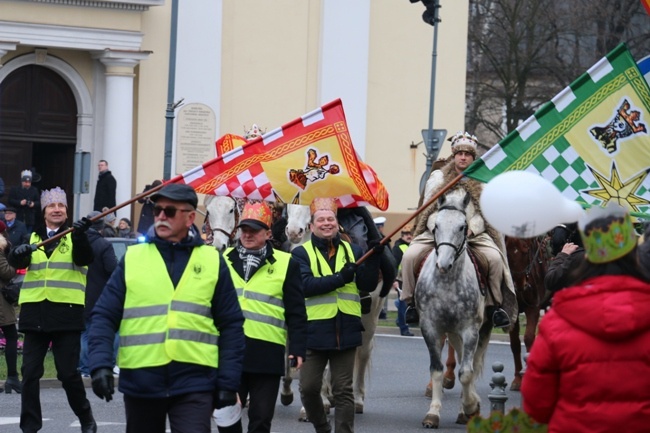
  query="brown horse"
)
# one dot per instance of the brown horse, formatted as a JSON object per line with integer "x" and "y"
{"x": 528, "y": 259}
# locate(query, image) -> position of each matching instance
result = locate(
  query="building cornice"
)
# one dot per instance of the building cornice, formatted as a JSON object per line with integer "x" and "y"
{"x": 131, "y": 5}
{"x": 81, "y": 38}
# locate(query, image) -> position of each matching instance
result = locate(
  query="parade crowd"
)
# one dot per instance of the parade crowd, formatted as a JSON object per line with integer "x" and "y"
{"x": 200, "y": 335}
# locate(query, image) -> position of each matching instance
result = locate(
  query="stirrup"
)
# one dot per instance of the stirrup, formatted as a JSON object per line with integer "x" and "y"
{"x": 500, "y": 319}
{"x": 411, "y": 315}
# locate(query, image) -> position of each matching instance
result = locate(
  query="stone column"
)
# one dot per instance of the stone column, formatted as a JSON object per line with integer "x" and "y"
{"x": 118, "y": 120}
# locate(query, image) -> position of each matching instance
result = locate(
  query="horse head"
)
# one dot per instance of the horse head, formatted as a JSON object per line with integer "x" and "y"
{"x": 222, "y": 218}
{"x": 450, "y": 231}
{"x": 298, "y": 218}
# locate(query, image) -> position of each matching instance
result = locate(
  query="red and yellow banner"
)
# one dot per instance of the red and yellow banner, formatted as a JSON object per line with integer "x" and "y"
{"x": 310, "y": 157}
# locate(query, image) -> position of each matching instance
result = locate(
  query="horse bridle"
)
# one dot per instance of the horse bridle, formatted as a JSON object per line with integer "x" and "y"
{"x": 229, "y": 235}
{"x": 461, "y": 248}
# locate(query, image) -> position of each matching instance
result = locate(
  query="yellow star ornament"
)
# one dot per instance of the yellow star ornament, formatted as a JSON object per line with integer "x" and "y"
{"x": 613, "y": 189}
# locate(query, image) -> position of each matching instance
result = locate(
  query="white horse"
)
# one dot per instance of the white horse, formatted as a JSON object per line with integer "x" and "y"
{"x": 359, "y": 228}
{"x": 297, "y": 229}
{"x": 221, "y": 220}
{"x": 449, "y": 301}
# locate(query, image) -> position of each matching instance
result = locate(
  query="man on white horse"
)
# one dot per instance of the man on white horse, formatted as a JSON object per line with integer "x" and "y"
{"x": 501, "y": 298}
{"x": 331, "y": 283}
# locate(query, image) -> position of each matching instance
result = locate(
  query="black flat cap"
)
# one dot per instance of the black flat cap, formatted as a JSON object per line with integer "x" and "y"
{"x": 177, "y": 192}
{"x": 10, "y": 209}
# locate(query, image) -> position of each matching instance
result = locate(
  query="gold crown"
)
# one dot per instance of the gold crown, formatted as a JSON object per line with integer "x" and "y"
{"x": 610, "y": 240}
{"x": 54, "y": 195}
{"x": 259, "y": 212}
{"x": 323, "y": 203}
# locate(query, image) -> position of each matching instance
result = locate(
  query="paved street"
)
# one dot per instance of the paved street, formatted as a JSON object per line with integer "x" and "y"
{"x": 395, "y": 400}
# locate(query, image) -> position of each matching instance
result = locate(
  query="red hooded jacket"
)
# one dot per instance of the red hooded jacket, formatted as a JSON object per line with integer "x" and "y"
{"x": 589, "y": 369}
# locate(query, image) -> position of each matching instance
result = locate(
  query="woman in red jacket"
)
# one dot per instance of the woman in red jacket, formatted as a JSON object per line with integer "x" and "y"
{"x": 588, "y": 370}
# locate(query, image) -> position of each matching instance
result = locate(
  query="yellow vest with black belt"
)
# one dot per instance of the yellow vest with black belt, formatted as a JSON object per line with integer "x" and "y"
{"x": 344, "y": 298}
{"x": 260, "y": 299}
{"x": 160, "y": 324}
{"x": 56, "y": 278}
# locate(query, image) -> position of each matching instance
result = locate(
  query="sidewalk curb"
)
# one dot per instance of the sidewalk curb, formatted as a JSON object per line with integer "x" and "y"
{"x": 386, "y": 330}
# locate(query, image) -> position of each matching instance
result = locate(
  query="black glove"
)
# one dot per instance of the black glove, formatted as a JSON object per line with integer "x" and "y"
{"x": 23, "y": 251}
{"x": 82, "y": 225}
{"x": 348, "y": 271}
{"x": 222, "y": 399}
{"x": 102, "y": 380}
{"x": 376, "y": 246}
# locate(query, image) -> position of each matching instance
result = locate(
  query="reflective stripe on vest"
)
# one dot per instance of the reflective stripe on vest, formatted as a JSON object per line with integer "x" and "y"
{"x": 261, "y": 299}
{"x": 56, "y": 278}
{"x": 344, "y": 298}
{"x": 160, "y": 324}
{"x": 402, "y": 247}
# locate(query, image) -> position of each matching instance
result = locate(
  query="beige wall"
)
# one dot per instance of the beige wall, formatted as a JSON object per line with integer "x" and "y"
{"x": 270, "y": 75}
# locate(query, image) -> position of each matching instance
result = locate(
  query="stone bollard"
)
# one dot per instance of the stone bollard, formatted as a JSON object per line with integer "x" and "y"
{"x": 498, "y": 395}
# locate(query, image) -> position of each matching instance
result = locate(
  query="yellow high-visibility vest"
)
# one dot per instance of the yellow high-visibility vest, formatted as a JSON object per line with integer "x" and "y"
{"x": 260, "y": 299}
{"x": 160, "y": 324}
{"x": 56, "y": 278}
{"x": 344, "y": 298}
{"x": 402, "y": 247}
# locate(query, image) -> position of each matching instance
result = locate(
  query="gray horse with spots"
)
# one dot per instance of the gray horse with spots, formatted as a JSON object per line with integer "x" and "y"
{"x": 450, "y": 302}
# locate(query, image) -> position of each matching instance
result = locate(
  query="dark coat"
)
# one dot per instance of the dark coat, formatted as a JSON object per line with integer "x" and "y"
{"x": 105, "y": 191}
{"x": 556, "y": 277}
{"x": 342, "y": 331}
{"x": 175, "y": 378}
{"x": 146, "y": 215}
{"x": 25, "y": 213}
{"x": 18, "y": 233}
{"x": 265, "y": 357}
{"x": 47, "y": 316}
{"x": 7, "y": 272}
{"x": 397, "y": 251}
{"x": 99, "y": 270}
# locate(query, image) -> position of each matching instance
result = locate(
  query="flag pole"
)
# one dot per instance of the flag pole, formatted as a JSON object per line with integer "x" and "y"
{"x": 435, "y": 197}
{"x": 111, "y": 210}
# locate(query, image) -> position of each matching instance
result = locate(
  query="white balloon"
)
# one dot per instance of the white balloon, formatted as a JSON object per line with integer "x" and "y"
{"x": 524, "y": 205}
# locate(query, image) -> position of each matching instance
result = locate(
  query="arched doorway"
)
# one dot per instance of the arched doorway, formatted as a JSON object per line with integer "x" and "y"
{"x": 38, "y": 129}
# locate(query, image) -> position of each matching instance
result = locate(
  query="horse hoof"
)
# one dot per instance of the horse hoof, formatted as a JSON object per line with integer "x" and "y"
{"x": 429, "y": 391}
{"x": 464, "y": 418}
{"x": 286, "y": 399}
{"x": 303, "y": 415}
{"x": 448, "y": 382}
{"x": 358, "y": 408}
{"x": 431, "y": 421}
{"x": 516, "y": 386}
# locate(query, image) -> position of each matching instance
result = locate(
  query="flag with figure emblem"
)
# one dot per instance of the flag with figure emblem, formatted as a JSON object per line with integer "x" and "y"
{"x": 312, "y": 156}
{"x": 591, "y": 140}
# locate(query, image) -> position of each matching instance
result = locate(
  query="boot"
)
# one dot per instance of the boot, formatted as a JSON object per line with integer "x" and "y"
{"x": 366, "y": 302}
{"x": 500, "y": 318}
{"x": 13, "y": 382}
{"x": 411, "y": 315}
{"x": 87, "y": 421}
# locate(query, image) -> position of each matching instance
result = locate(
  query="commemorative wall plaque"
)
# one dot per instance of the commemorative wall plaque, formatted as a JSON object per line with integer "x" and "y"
{"x": 195, "y": 136}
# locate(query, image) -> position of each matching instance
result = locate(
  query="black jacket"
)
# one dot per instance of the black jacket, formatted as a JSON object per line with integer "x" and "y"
{"x": 558, "y": 270}
{"x": 99, "y": 270}
{"x": 175, "y": 378}
{"x": 18, "y": 233}
{"x": 105, "y": 191}
{"x": 397, "y": 251}
{"x": 343, "y": 331}
{"x": 265, "y": 357}
{"x": 46, "y": 316}
{"x": 25, "y": 213}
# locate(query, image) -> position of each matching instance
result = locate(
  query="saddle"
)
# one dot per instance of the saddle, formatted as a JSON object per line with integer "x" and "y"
{"x": 479, "y": 261}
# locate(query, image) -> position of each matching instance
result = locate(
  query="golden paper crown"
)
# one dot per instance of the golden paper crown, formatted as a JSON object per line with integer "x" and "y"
{"x": 464, "y": 141}
{"x": 54, "y": 195}
{"x": 610, "y": 240}
{"x": 257, "y": 215}
{"x": 323, "y": 203}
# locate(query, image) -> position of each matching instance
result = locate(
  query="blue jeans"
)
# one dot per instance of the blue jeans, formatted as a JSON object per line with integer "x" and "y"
{"x": 401, "y": 312}
{"x": 84, "y": 368}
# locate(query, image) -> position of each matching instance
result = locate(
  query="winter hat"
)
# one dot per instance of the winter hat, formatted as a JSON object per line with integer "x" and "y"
{"x": 97, "y": 224}
{"x": 3, "y": 227}
{"x": 464, "y": 142}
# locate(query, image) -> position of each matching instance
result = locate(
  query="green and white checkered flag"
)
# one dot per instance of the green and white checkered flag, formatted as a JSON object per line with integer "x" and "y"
{"x": 591, "y": 140}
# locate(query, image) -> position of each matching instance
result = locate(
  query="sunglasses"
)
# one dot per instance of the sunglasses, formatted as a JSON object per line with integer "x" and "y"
{"x": 170, "y": 212}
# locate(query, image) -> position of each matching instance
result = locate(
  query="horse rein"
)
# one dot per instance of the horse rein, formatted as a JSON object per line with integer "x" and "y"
{"x": 461, "y": 248}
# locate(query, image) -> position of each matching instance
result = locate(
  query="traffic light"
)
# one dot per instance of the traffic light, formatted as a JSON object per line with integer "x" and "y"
{"x": 430, "y": 15}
